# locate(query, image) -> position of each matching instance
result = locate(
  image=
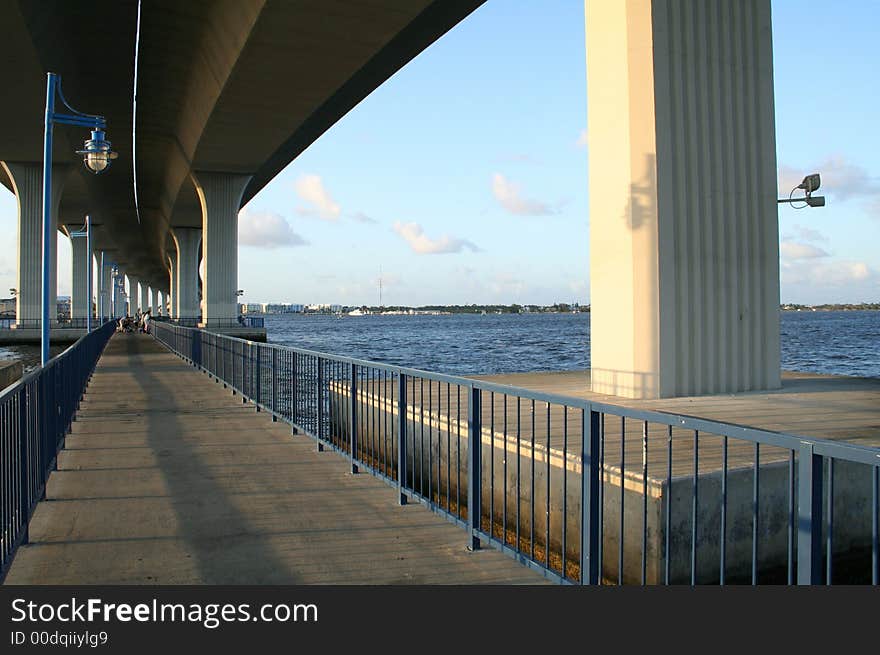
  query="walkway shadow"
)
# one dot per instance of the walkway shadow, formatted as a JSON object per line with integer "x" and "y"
{"x": 222, "y": 539}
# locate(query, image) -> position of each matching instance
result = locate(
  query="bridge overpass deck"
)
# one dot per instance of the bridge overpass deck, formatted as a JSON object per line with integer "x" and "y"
{"x": 168, "y": 479}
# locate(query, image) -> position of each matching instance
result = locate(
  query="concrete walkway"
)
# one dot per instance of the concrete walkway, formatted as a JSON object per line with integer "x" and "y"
{"x": 169, "y": 479}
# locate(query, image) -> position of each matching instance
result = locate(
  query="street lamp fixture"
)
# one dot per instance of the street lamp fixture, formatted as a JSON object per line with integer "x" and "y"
{"x": 809, "y": 184}
{"x": 97, "y": 155}
{"x": 96, "y": 152}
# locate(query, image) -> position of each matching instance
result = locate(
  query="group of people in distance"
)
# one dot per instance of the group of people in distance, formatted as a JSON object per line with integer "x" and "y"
{"x": 137, "y": 323}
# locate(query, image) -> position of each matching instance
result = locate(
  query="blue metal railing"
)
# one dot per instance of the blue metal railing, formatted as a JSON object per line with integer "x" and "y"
{"x": 11, "y": 323}
{"x": 35, "y": 415}
{"x": 583, "y": 491}
{"x": 244, "y": 321}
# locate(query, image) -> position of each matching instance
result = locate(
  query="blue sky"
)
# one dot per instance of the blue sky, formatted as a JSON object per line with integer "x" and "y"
{"x": 464, "y": 177}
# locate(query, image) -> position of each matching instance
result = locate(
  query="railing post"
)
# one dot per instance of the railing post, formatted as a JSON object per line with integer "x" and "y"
{"x": 809, "y": 516}
{"x": 353, "y": 422}
{"x": 256, "y": 378}
{"x": 274, "y": 384}
{"x": 475, "y": 469}
{"x": 245, "y": 349}
{"x": 293, "y": 393}
{"x": 401, "y": 438}
{"x": 24, "y": 455}
{"x": 590, "y": 481}
{"x": 319, "y": 406}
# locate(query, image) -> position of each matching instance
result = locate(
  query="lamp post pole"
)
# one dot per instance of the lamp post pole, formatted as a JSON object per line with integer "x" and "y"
{"x": 47, "y": 219}
{"x": 97, "y": 156}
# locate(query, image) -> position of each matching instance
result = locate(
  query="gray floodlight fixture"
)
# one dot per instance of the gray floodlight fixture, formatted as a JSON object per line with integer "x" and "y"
{"x": 809, "y": 184}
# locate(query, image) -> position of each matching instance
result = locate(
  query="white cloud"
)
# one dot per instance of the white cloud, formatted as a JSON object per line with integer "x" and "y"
{"x": 415, "y": 236}
{"x": 829, "y": 274}
{"x": 509, "y": 195}
{"x": 793, "y": 250}
{"x": 310, "y": 188}
{"x": 583, "y": 139}
{"x": 806, "y": 234}
{"x": 266, "y": 230}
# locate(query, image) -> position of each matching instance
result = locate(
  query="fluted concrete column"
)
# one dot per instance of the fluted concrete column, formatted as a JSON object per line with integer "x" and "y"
{"x": 144, "y": 303}
{"x": 186, "y": 274}
{"x": 684, "y": 261}
{"x": 154, "y": 301}
{"x": 119, "y": 308}
{"x": 220, "y": 197}
{"x": 133, "y": 284}
{"x": 81, "y": 294}
{"x": 105, "y": 290}
{"x": 172, "y": 285}
{"x": 27, "y": 184}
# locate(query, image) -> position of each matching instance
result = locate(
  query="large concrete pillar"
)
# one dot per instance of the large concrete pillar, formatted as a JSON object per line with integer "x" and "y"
{"x": 144, "y": 302}
{"x": 27, "y": 184}
{"x": 133, "y": 284}
{"x": 220, "y": 198}
{"x": 105, "y": 289}
{"x": 119, "y": 308}
{"x": 154, "y": 301}
{"x": 684, "y": 261}
{"x": 186, "y": 274}
{"x": 172, "y": 285}
{"x": 81, "y": 294}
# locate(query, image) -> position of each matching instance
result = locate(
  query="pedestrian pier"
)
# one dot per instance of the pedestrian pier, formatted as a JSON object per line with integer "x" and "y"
{"x": 167, "y": 478}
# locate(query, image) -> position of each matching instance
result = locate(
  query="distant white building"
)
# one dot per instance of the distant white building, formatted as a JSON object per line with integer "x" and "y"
{"x": 252, "y": 308}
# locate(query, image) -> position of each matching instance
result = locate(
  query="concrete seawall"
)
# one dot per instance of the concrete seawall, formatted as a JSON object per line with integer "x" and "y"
{"x": 10, "y": 373}
{"x": 441, "y": 439}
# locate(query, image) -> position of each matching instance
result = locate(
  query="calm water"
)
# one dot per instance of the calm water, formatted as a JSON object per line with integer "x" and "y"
{"x": 846, "y": 343}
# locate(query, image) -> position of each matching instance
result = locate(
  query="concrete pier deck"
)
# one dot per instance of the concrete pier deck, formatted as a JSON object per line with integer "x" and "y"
{"x": 169, "y": 479}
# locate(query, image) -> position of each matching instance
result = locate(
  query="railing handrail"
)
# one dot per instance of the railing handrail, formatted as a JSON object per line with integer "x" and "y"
{"x": 32, "y": 375}
{"x": 791, "y": 441}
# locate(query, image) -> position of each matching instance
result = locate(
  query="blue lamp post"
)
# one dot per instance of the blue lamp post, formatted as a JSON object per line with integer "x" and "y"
{"x": 97, "y": 155}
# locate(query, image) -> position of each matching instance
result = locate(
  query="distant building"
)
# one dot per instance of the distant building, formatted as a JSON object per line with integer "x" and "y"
{"x": 252, "y": 308}
{"x": 7, "y": 307}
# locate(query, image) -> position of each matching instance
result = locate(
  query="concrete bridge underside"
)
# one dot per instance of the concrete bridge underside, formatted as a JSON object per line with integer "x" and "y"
{"x": 684, "y": 260}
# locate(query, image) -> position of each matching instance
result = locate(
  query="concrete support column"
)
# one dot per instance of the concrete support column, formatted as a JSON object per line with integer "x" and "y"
{"x": 220, "y": 197}
{"x": 186, "y": 273}
{"x": 133, "y": 284}
{"x": 144, "y": 302}
{"x": 105, "y": 290}
{"x": 154, "y": 301}
{"x": 119, "y": 308}
{"x": 172, "y": 285}
{"x": 684, "y": 257}
{"x": 27, "y": 184}
{"x": 81, "y": 294}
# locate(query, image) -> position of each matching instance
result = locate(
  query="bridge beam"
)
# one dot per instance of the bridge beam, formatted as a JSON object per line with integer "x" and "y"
{"x": 27, "y": 184}
{"x": 220, "y": 198}
{"x": 187, "y": 241}
{"x": 684, "y": 255}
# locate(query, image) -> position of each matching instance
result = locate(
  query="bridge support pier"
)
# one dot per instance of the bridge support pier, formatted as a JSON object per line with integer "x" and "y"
{"x": 105, "y": 291}
{"x": 171, "y": 297}
{"x": 81, "y": 294}
{"x": 684, "y": 249}
{"x": 154, "y": 301}
{"x": 220, "y": 197}
{"x": 144, "y": 297}
{"x": 27, "y": 184}
{"x": 186, "y": 274}
{"x": 133, "y": 284}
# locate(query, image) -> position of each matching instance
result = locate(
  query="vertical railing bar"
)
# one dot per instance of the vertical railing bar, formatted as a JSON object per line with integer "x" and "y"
{"x": 645, "y": 504}
{"x": 722, "y": 565}
{"x": 755, "y": 510}
{"x": 600, "y": 510}
{"x": 829, "y": 527}
{"x": 448, "y": 447}
{"x": 458, "y": 449}
{"x": 491, "y": 465}
{"x": 475, "y": 448}
{"x": 564, "y": 484}
{"x": 421, "y": 435}
{"x": 430, "y": 442}
{"x": 401, "y": 437}
{"x": 791, "y": 510}
{"x": 622, "y": 488}
{"x": 809, "y": 542}
{"x": 518, "y": 472}
{"x": 875, "y": 525}
{"x": 694, "y": 500}
{"x": 532, "y": 488}
{"x": 547, "y": 498}
{"x": 504, "y": 484}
